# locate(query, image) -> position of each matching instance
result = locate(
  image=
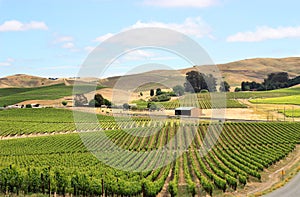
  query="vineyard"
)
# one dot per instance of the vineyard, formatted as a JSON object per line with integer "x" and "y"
{"x": 223, "y": 100}
{"x": 203, "y": 101}
{"x": 67, "y": 164}
{"x": 11, "y": 96}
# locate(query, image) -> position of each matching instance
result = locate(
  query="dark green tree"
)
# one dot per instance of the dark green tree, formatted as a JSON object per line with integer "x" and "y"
{"x": 178, "y": 90}
{"x": 126, "y": 106}
{"x": 151, "y": 92}
{"x": 196, "y": 81}
{"x": 224, "y": 87}
{"x": 99, "y": 100}
{"x": 158, "y": 92}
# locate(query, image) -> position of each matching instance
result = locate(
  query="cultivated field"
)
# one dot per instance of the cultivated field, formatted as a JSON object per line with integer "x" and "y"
{"x": 62, "y": 163}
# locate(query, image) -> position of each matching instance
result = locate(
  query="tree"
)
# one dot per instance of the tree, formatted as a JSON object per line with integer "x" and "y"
{"x": 152, "y": 107}
{"x": 225, "y": 87}
{"x": 126, "y": 106}
{"x": 237, "y": 89}
{"x": 64, "y": 103}
{"x": 151, "y": 92}
{"x": 80, "y": 100}
{"x": 28, "y": 106}
{"x": 178, "y": 90}
{"x": 196, "y": 81}
{"x": 99, "y": 100}
{"x": 158, "y": 92}
{"x": 107, "y": 103}
{"x": 276, "y": 81}
{"x": 92, "y": 103}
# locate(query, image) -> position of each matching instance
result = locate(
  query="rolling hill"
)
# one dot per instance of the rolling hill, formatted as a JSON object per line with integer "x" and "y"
{"x": 234, "y": 72}
{"x": 26, "y": 81}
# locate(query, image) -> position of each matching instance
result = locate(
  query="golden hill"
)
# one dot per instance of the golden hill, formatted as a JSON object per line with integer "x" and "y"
{"x": 234, "y": 72}
{"x": 26, "y": 81}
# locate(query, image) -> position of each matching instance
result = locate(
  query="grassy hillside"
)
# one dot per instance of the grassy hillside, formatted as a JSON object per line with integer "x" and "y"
{"x": 234, "y": 72}
{"x": 11, "y": 96}
{"x": 289, "y": 100}
{"x": 27, "y": 81}
{"x": 258, "y": 68}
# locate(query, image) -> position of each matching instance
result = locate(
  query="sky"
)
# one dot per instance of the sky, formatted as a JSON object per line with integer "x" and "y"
{"x": 54, "y": 38}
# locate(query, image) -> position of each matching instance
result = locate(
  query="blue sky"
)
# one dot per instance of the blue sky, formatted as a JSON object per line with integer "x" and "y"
{"x": 53, "y": 38}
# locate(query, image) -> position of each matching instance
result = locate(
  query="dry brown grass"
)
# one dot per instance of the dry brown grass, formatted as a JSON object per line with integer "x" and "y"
{"x": 234, "y": 72}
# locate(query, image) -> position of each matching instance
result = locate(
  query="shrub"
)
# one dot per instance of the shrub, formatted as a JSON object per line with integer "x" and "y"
{"x": 237, "y": 89}
{"x": 64, "y": 103}
{"x": 126, "y": 106}
{"x": 28, "y": 106}
{"x": 178, "y": 90}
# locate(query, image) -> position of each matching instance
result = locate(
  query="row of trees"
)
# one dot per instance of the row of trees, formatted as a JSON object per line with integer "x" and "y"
{"x": 97, "y": 101}
{"x": 272, "y": 82}
{"x": 197, "y": 82}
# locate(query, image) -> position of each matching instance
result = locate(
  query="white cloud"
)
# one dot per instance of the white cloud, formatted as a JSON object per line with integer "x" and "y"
{"x": 140, "y": 55}
{"x": 68, "y": 45}
{"x": 104, "y": 37}
{"x": 265, "y": 33}
{"x": 8, "y": 62}
{"x": 181, "y": 3}
{"x": 191, "y": 26}
{"x": 14, "y": 25}
{"x": 64, "y": 39}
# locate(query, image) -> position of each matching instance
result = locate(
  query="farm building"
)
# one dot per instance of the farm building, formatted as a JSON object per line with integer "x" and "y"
{"x": 188, "y": 111}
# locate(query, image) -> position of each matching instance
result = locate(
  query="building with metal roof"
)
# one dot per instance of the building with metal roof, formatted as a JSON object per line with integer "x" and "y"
{"x": 188, "y": 111}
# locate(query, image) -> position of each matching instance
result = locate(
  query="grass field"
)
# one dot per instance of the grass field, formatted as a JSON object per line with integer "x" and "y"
{"x": 11, "y": 96}
{"x": 288, "y": 100}
{"x": 291, "y": 113}
{"x": 265, "y": 94}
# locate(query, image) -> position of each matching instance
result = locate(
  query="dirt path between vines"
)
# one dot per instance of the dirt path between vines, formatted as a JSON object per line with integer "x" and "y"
{"x": 164, "y": 192}
{"x": 181, "y": 180}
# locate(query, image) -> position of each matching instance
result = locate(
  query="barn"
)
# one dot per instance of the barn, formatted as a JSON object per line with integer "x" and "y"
{"x": 188, "y": 111}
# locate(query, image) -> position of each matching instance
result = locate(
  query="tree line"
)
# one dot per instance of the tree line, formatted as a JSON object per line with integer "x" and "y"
{"x": 272, "y": 82}
{"x": 199, "y": 82}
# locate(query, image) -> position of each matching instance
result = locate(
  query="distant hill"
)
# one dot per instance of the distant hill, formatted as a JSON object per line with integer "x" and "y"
{"x": 27, "y": 81}
{"x": 257, "y": 69}
{"x": 234, "y": 72}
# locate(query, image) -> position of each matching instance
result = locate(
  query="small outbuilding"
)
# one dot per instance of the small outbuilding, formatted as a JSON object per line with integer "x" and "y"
{"x": 188, "y": 111}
